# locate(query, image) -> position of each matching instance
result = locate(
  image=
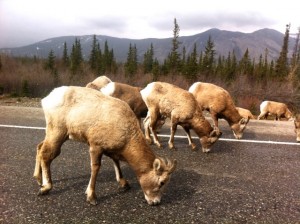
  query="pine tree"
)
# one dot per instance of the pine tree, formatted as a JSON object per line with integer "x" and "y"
{"x": 50, "y": 63}
{"x": 192, "y": 64}
{"x": 131, "y": 63}
{"x": 93, "y": 59}
{"x": 148, "y": 60}
{"x": 65, "y": 58}
{"x": 209, "y": 57}
{"x": 295, "y": 62}
{"x": 245, "y": 64}
{"x": 76, "y": 57}
{"x": 281, "y": 66}
{"x": 174, "y": 56}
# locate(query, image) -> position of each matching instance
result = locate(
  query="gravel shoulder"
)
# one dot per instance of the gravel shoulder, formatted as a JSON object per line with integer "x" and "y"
{"x": 19, "y": 101}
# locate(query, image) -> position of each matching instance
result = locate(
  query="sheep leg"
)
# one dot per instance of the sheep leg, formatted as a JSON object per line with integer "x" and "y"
{"x": 119, "y": 176}
{"x": 173, "y": 130}
{"x": 215, "y": 119}
{"x": 38, "y": 169}
{"x": 188, "y": 133}
{"x": 152, "y": 126}
{"x": 95, "y": 157}
{"x": 47, "y": 152}
{"x": 262, "y": 115}
{"x": 147, "y": 129}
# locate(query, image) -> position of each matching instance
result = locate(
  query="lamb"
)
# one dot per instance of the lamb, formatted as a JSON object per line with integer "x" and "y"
{"x": 110, "y": 128}
{"x": 167, "y": 100}
{"x": 297, "y": 127}
{"x": 98, "y": 83}
{"x": 280, "y": 110}
{"x": 245, "y": 113}
{"x": 220, "y": 105}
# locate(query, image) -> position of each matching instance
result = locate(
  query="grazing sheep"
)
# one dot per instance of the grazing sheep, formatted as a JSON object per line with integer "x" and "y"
{"x": 280, "y": 110}
{"x": 130, "y": 94}
{"x": 220, "y": 105}
{"x": 110, "y": 128}
{"x": 98, "y": 83}
{"x": 245, "y": 113}
{"x": 167, "y": 100}
{"x": 297, "y": 127}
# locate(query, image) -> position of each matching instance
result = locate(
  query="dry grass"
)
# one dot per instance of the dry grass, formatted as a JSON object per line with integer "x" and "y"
{"x": 28, "y": 77}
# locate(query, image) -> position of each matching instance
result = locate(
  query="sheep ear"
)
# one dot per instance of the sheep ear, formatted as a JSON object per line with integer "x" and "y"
{"x": 156, "y": 164}
{"x": 173, "y": 167}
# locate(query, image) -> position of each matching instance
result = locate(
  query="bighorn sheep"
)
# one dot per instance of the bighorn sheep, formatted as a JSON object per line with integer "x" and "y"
{"x": 167, "y": 100}
{"x": 297, "y": 127}
{"x": 98, "y": 83}
{"x": 130, "y": 94}
{"x": 110, "y": 128}
{"x": 220, "y": 105}
{"x": 280, "y": 110}
{"x": 245, "y": 113}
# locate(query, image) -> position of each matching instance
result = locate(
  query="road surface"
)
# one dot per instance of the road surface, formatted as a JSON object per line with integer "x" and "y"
{"x": 255, "y": 180}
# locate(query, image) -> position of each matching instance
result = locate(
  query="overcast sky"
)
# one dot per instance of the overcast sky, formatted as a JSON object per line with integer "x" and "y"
{"x": 24, "y": 22}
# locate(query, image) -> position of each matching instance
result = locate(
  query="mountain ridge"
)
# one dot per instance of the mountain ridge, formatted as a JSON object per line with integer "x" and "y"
{"x": 225, "y": 41}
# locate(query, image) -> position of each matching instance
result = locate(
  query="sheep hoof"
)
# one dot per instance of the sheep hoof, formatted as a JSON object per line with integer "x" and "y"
{"x": 42, "y": 192}
{"x": 124, "y": 184}
{"x": 193, "y": 147}
{"x": 92, "y": 201}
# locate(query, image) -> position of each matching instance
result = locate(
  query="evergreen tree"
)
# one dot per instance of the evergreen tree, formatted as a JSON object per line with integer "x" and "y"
{"x": 131, "y": 63}
{"x": 93, "y": 59}
{"x": 245, "y": 64}
{"x": 282, "y": 62}
{"x": 76, "y": 58}
{"x": 174, "y": 56}
{"x": 209, "y": 57}
{"x": 50, "y": 63}
{"x": 295, "y": 62}
{"x": 148, "y": 60}
{"x": 192, "y": 65}
{"x": 155, "y": 70}
{"x": 65, "y": 58}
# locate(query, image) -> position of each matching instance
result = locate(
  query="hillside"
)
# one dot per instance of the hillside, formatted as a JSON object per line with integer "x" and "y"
{"x": 225, "y": 42}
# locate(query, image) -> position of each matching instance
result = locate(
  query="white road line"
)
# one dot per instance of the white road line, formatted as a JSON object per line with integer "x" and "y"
{"x": 177, "y": 136}
{"x": 239, "y": 140}
{"x": 23, "y": 127}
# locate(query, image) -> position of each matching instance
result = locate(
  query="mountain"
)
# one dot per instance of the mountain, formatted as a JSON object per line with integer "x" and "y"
{"x": 225, "y": 42}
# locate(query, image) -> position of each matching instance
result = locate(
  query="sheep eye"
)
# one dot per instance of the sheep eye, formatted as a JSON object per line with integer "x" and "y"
{"x": 162, "y": 184}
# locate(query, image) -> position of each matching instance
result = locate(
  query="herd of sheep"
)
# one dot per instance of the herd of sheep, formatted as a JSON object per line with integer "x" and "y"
{"x": 108, "y": 117}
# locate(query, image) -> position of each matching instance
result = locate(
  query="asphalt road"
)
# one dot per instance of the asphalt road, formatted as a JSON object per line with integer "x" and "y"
{"x": 256, "y": 180}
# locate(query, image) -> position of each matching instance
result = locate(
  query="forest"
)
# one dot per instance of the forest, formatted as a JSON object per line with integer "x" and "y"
{"x": 248, "y": 80}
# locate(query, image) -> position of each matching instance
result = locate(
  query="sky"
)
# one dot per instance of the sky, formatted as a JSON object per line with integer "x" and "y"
{"x": 24, "y": 22}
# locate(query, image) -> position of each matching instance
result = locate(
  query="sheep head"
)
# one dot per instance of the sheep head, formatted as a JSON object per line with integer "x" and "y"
{"x": 208, "y": 141}
{"x": 238, "y": 128}
{"x": 153, "y": 182}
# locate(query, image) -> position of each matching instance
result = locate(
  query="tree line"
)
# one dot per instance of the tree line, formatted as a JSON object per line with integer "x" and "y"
{"x": 189, "y": 67}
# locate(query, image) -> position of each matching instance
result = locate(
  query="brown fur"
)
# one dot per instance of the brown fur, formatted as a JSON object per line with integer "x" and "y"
{"x": 167, "y": 100}
{"x": 98, "y": 83}
{"x": 110, "y": 128}
{"x": 220, "y": 105}
{"x": 245, "y": 113}
{"x": 132, "y": 96}
{"x": 280, "y": 110}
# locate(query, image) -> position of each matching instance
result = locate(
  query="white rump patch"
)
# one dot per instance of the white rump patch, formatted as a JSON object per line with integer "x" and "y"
{"x": 108, "y": 89}
{"x": 55, "y": 98}
{"x": 263, "y": 105}
{"x": 193, "y": 87}
{"x": 147, "y": 90}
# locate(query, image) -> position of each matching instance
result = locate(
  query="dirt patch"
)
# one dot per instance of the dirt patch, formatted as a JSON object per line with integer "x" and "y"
{"x": 19, "y": 101}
